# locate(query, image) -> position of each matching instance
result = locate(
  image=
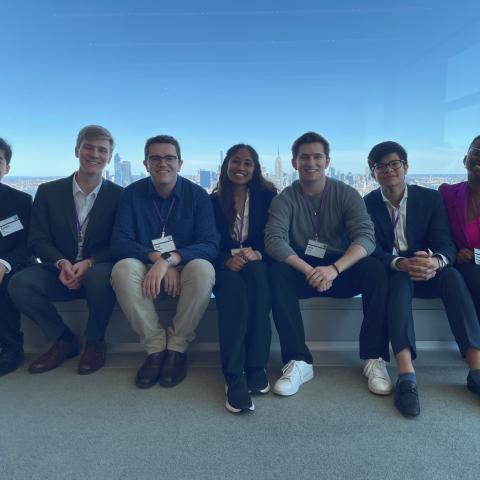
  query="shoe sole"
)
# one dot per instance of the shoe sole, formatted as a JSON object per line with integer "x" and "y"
{"x": 239, "y": 410}
{"x": 380, "y": 392}
{"x": 305, "y": 380}
{"x": 260, "y": 392}
{"x": 173, "y": 384}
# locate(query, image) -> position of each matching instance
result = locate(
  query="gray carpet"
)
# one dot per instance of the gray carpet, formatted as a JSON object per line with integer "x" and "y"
{"x": 60, "y": 425}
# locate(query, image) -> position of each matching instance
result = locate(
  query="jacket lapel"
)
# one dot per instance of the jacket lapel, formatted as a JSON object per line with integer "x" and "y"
{"x": 70, "y": 212}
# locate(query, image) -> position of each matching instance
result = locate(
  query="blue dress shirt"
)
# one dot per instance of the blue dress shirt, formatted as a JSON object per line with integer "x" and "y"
{"x": 139, "y": 221}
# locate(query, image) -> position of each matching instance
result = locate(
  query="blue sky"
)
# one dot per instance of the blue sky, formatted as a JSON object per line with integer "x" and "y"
{"x": 214, "y": 73}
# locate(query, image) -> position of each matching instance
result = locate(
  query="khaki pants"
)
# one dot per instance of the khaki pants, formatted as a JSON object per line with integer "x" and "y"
{"x": 196, "y": 281}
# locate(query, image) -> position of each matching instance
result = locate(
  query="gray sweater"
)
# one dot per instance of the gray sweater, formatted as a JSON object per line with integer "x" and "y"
{"x": 343, "y": 220}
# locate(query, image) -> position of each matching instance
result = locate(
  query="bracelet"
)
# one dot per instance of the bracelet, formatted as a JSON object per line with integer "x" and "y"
{"x": 336, "y": 268}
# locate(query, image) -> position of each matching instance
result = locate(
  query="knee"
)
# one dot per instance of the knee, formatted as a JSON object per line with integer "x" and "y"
{"x": 127, "y": 271}
{"x": 450, "y": 277}
{"x": 278, "y": 271}
{"x": 200, "y": 272}
{"x": 20, "y": 286}
{"x": 255, "y": 268}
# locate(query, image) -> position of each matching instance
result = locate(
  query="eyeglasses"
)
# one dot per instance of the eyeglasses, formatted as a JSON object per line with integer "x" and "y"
{"x": 394, "y": 165}
{"x": 155, "y": 159}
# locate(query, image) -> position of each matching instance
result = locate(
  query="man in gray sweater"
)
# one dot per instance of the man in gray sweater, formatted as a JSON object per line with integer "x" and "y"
{"x": 320, "y": 235}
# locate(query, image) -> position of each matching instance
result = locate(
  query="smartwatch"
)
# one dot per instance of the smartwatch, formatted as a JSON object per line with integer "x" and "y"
{"x": 167, "y": 256}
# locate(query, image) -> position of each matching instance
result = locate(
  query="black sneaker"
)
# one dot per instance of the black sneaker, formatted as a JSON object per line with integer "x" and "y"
{"x": 238, "y": 398}
{"x": 406, "y": 398}
{"x": 257, "y": 381}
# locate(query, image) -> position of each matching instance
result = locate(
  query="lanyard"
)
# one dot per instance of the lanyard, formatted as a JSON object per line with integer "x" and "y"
{"x": 313, "y": 216}
{"x": 394, "y": 217}
{"x": 164, "y": 220}
{"x": 85, "y": 220}
{"x": 240, "y": 227}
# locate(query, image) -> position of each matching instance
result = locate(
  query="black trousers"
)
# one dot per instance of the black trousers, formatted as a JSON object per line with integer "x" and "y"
{"x": 243, "y": 305}
{"x": 447, "y": 284}
{"x": 471, "y": 276}
{"x": 367, "y": 277}
{"x": 11, "y": 336}
{"x": 34, "y": 289}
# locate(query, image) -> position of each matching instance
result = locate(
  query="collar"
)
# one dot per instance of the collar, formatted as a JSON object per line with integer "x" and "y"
{"x": 402, "y": 201}
{"x": 77, "y": 188}
{"x": 177, "y": 189}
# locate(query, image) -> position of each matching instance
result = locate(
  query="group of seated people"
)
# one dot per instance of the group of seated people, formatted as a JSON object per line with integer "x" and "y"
{"x": 258, "y": 251}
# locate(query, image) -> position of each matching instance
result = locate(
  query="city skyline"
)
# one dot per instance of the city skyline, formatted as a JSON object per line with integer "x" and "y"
{"x": 262, "y": 72}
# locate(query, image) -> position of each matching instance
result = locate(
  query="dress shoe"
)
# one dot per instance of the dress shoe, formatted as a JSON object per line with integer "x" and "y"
{"x": 10, "y": 360}
{"x": 60, "y": 351}
{"x": 93, "y": 357}
{"x": 148, "y": 374}
{"x": 174, "y": 369}
{"x": 406, "y": 398}
{"x": 472, "y": 384}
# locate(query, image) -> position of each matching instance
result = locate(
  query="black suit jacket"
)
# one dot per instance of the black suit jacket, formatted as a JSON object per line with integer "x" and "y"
{"x": 258, "y": 216}
{"x": 53, "y": 228}
{"x": 13, "y": 247}
{"x": 427, "y": 224}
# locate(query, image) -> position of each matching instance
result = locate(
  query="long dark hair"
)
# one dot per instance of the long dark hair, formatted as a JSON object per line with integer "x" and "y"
{"x": 224, "y": 187}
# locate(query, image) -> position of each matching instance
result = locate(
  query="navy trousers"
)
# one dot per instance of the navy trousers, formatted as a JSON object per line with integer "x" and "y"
{"x": 447, "y": 284}
{"x": 34, "y": 289}
{"x": 367, "y": 277}
{"x": 11, "y": 337}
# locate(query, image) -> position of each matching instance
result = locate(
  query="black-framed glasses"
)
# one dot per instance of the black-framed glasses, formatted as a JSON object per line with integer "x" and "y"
{"x": 155, "y": 159}
{"x": 394, "y": 165}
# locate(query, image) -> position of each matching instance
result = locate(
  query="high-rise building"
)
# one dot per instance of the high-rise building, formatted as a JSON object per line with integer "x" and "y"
{"x": 126, "y": 173}
{"x": 278, "y": 171}
{"x": 205, "y": 178}
{"x": 117, "y": 169}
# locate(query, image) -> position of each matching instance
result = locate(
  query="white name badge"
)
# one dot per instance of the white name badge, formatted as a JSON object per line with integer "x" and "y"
{"x": 235, "y": 251}
{"x": 316, "y": 249}
{"x": 164, "y": 244}
{"x": 476, "y": 252}
{"x": 10, "y": 225}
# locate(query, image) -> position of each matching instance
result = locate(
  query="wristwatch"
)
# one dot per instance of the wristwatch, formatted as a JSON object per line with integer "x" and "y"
{"x": 167, "y": 256}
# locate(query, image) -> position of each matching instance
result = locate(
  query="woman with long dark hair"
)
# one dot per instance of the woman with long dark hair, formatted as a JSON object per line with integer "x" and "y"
{"x": 241, "y": 200}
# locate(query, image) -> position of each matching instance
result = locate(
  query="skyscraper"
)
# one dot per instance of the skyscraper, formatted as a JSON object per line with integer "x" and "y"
{"x": 117, "y": 169}
{"x": 278, "y": 171}
{"x": 126, "y": 173}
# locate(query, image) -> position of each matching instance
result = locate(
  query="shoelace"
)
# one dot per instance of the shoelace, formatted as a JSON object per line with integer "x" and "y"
{"x": 377, "y": 366}
{"x": 287, "y": 370}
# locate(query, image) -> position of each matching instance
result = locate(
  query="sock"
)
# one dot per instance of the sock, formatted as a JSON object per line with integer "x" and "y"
{"x": 407, "y": 376}
{"x": 475, "y": 375}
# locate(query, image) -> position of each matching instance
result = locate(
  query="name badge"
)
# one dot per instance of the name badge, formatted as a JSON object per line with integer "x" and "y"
{"x": 10, "y": 225}
{"x": 476, "y": 252}
{"x": 164, "y": 244}
{"x": 235, "y": 251}
{"x": 316, "y": 249}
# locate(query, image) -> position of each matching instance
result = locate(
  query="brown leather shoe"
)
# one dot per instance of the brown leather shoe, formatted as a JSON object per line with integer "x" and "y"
{"x": 60, "y": 351}
{"x": 174, "y": 369}
{"x": 93, "y": 357}
{"x": 148, "y": 374}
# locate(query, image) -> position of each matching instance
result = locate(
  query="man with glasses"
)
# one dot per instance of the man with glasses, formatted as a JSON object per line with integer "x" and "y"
{"x": 72, "y": 221}
{"x": 15, "y": 210}
{"x": 414, "y": 242}
{"x": 165, "y": 236}
{"x": 321, "y": 236}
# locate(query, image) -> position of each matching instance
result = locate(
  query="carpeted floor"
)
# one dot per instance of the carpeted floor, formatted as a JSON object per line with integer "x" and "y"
{"x": 60, "y": 425}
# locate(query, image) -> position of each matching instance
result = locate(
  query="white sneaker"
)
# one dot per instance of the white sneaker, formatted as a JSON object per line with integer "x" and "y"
{"x": 378, "y": 379}
{"x": 294, "y": 373}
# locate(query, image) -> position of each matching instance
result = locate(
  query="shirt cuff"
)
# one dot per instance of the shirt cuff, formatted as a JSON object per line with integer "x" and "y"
{"x": 57, "y": 263}
{"x": 394, "y": 263}
{"x": 444, "y": 261}
{"x": 6, "y": 265}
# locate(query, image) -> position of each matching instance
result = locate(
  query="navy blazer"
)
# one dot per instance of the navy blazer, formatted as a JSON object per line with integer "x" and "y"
{"x": 53, "y": 228}
{"x": 13, "y": 247}
{"x": 258, "y": 216}
{"x": 427, "y": 224}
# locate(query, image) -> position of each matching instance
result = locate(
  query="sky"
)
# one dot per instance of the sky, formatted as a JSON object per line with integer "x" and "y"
{"x": 215, "y": 73}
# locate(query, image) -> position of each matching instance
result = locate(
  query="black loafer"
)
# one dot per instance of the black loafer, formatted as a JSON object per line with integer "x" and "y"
{"x": 472, "y": 385}
{"x": 10, "y": 360}
{"x": 406, "y": 398}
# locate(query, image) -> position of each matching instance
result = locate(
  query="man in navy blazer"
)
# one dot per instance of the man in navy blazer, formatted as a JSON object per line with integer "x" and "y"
{"x": 414, "y": 242}
{"x": 15, "y": 210}
{"x": 71, "y": 225}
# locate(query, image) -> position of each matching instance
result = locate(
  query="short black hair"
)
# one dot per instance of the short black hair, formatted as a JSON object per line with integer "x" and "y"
{"x": 310, "y": 137}
{"x": 386, "y": 148}
{"x": 7, "y": 149}
{"x": 163, "y": 139}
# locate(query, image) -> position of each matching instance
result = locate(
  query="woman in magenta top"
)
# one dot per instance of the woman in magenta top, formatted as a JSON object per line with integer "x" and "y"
{"x": 463, "y": 205}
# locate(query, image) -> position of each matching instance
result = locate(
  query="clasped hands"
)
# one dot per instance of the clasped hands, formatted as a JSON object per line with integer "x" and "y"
{"x": 239, "y": 260}
{"x": 421, "y": 267}
{"x": 465, "y": 255}
{"x": 321, "y": 278}
{"x": 71, "y": 275}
